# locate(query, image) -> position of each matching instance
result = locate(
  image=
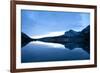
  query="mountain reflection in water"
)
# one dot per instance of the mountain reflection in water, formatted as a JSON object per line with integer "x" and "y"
{"x": 70, "y": 46}
{"x": 71, "y": 39}
{"x": 37, "y": 51}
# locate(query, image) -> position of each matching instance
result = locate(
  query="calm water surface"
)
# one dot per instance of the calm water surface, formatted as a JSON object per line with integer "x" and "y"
{"x": 42, "y": 52}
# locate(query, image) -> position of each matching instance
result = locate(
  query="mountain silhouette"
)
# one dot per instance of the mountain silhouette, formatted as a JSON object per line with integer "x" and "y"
{"x": 71, "y": 39}
{"x": 71, "y": 33}
{"x": 25, "y": 39}
{"x": 70, "y": 36}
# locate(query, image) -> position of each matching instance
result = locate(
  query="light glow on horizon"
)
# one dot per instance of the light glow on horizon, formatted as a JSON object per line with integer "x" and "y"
{"x": 50, "y": 34}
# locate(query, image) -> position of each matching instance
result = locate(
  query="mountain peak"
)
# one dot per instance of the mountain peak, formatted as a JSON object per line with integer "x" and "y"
{"x": 71, "y": 30}
{"x": 71, "y": 33}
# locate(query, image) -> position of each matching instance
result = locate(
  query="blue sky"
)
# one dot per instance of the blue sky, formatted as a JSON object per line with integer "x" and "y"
{"x": 36, "y": 22}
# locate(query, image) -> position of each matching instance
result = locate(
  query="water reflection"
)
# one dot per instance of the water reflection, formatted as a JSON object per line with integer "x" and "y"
{"x": 70, "y": 39}
{"x": 38, "y": 51}
{"x": 60, "y": 48}
{"x": 71, "y": 46}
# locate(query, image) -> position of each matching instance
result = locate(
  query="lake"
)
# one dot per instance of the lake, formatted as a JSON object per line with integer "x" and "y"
{"x": 38, "y": 51}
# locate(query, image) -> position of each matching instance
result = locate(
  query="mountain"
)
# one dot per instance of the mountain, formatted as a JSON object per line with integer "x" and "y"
{"x": 86, "y": 34}
{"x": 70, "y": 36}
{"x": 71, "y": 33}
{"x": 86, "y": 30}
{"x": 25, "y": 39}
{"x": 68, "y": 39}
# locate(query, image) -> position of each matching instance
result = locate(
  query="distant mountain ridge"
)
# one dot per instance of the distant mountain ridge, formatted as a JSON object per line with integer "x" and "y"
{"x": 71, "y": 33}
{"x": 70, "y": 37}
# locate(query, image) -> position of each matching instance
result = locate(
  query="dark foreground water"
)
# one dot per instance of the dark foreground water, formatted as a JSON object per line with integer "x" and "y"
{"x": 43, "y": 52}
